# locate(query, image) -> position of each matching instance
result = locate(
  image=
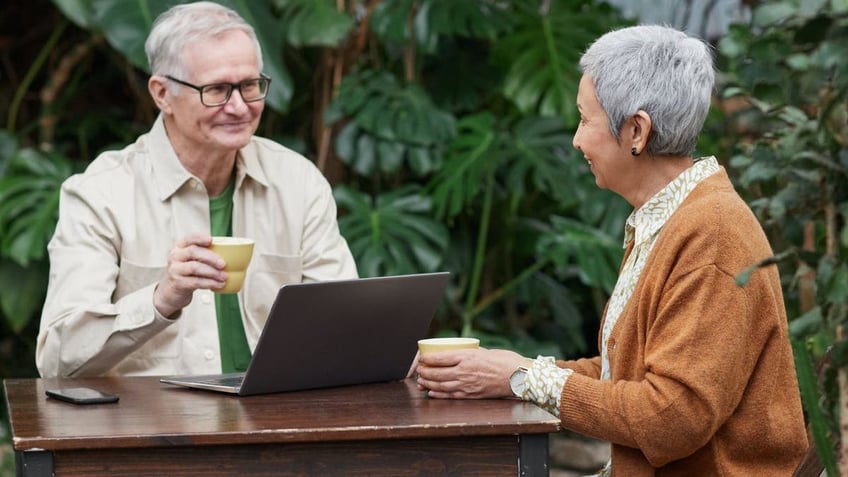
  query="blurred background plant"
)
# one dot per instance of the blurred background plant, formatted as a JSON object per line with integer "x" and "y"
{"x": 445, "y": 127}
{"x": 788, "y": 81}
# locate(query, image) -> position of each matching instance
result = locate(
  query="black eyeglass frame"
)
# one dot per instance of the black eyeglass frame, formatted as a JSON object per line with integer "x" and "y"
{"x": 230, "y": 88}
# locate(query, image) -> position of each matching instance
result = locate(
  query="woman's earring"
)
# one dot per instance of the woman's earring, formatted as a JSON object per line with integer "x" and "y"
{"x": 633, "y": 151}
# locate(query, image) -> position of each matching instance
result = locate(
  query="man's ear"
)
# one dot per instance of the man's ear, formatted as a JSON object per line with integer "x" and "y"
{"x": 159, "y": 92}
{"x": 638, "y": 131}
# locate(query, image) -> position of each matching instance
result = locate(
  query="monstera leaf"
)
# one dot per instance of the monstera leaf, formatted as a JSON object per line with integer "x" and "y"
{"x": 127, "y": 24}
{"x": 313, "y": 22}
{"x": 390, "y": 125}
{"x": 392, "y": 233}
{"x": 543, "y": 50}
{"x": 390, "y": 22}
{"x": 537, "y": 151}
{"x": 597, "y": 255}
{"x": 469, "y": 159}
{"x": 468, "y": 18}
{"x": 528, "y": 153}
{"x": 29, "y": 203}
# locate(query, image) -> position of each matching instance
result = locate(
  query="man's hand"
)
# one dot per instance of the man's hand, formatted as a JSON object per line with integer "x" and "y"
{"x": 191, "y": 266}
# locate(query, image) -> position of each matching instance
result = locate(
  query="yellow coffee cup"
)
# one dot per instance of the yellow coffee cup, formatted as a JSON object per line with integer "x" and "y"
{"x": 433, "y": 345}
{"x": 236, "y": 252}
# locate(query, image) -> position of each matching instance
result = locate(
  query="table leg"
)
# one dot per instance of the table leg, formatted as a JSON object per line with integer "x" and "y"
{"x": 533, "y": 455}
{"x": 33, "y": 464}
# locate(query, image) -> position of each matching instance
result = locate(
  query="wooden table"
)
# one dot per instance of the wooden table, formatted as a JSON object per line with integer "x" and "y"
{"x": 389, "y": 429}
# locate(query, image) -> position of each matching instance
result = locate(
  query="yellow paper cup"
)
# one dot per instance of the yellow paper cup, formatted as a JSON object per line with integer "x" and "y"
{"x": 236, "y": 252}
{"x": 433, "y": 345}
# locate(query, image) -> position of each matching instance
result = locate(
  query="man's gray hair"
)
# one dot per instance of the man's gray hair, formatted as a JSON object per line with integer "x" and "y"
{"x": 183, "y": 24}
{"x": 660, "y": 70}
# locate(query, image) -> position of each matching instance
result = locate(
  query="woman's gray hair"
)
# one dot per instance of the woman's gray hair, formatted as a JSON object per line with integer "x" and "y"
{"x": 183, "y": 24}
{"x": 660, "y": 70}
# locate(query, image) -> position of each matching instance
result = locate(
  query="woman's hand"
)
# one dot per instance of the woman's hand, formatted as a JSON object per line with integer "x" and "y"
{"x": 468, "y": 373}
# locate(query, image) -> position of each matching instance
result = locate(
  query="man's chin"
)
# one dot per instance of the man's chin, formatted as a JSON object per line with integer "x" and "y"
{"x": 233, "y": 141}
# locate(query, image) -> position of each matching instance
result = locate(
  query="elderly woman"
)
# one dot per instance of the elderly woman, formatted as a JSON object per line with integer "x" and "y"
{"x": 695, "y": 374}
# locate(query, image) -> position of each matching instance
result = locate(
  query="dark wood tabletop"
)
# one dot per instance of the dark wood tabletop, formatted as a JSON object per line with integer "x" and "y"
{"x": 151, "y": 414}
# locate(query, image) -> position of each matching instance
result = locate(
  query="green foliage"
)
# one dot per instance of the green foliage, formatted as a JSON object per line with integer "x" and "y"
{"x": 527, "y": 151}
{"x": 592, "y": 253}
{"x": 390, "y": 125}
{"x": 393, "y": 233}
{"x": 459, "y": 182}
{"x": 541, "y": 56}
{"x": 495, "y": 165}
{"x": 29, "y": 195}
{"x": 29, "y": 200}
{"x": 312, "y": 23}
{"x": 788, "y": 65}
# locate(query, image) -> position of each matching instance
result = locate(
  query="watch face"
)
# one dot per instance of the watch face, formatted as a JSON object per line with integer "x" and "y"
{"x": 516, "y": 382}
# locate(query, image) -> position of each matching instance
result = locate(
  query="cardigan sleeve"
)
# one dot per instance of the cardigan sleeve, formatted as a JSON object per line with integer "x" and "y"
{"x": 586, "y": 366}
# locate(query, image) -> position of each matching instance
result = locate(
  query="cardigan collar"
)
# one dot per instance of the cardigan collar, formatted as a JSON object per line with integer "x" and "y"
{"x": 646, "y": 221}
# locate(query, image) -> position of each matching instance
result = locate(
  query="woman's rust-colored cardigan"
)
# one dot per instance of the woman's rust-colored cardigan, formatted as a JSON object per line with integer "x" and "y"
{"x": 703, "y": 380}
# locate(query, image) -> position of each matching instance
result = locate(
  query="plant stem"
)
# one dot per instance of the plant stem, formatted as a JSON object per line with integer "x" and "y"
{"x": 36, "y": 65}
{"x": 500, "y": 292}
{"x": 479, "y": 254}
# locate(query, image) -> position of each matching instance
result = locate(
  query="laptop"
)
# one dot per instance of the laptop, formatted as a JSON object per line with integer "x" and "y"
{"x": 335, "y": 333}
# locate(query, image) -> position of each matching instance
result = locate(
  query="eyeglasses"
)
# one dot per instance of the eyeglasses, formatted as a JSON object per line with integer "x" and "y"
{"x": 219, "y": 93}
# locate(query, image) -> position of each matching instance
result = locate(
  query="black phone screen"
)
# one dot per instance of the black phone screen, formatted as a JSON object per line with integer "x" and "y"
{"x": 81, "y": 395}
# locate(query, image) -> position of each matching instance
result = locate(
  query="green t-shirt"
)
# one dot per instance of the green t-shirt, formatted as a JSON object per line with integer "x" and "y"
{"x": 235, "y": 352}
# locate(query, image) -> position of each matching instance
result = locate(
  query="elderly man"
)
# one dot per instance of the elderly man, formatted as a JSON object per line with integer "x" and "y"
{"x": 132, "y": 277}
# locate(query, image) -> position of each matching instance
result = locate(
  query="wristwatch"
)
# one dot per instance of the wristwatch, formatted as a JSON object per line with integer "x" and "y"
{"x": 517, "y": 381}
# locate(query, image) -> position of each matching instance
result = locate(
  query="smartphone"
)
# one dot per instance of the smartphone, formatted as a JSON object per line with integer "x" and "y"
{"x": 81, "y": 395}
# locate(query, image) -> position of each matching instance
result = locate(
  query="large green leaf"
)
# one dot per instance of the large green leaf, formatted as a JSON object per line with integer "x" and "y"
{"x": 391, "y": 125}
{"x": 435, "y": 21}
{"x": 8, "y": 146}
{"x": 543, "y": 51}
{"x": 390, "y": 22}
{"x": 565, "y": 314}
{"x": 392, "y": 233}
{"x": 596, "y": 254}
{"x": 528, "y": 154}
{"x": 536, "y": 161}
{"x": 29, "y": 203}
{"x": 469, "y": 158}
{"x": 313, "y": 22}
{"x": 81, "y": 12}
{"x": 22, "y": 291}
{"x": 774, "y": 12}
{"x": 811, "y": 398}
{"x": 467, "y": 18}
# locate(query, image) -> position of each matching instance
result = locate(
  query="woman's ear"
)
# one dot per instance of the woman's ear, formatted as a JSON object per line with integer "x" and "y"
{"x": 638, "y": 132}
{"x": 159, "y": 92}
